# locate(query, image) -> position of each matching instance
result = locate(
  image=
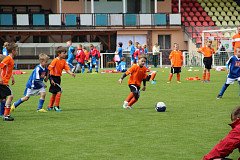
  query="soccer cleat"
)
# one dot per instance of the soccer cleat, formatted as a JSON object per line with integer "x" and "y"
{"x": 168, "y": 81}
{"x": 179, "y": 82}
{"x": 153, "y": 82}
{"x": 57, "y": 109}
{"x": 125, "y": 104}
{"x": 8, "y": 118}
{"x": 129, "y": 107}
{"x": 41, "y": 110}
{"x": 219, "y": 97}
{"x": 12, "y": 108}
{"x": 50, "y": 108}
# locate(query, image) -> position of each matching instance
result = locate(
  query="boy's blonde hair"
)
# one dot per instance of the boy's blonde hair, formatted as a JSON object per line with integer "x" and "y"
{"x": 11, "y": 46}
{"x": 5, "y": 44}
{"x": 43, "y": 57}
{"x": 142, "y": 56}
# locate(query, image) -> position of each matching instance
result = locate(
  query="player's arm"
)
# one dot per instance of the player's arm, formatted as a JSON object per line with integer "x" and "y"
{"x": 13, "y": 80}
{"x": 228, "y": 63}
{"x": 200, "y": 50}
{"x": 144, "y": 84}
{"x": 129, "y": 71}
{"x": 2, "y": 65}
{"x": 1, "y": 81}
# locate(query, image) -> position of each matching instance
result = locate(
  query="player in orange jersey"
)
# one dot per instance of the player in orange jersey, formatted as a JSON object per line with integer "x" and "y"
{"x": 207, "y": 52}
{"x": 176, "y": 59}
{"x": 236, "y": 40}
{"x": 55, "y": 68}
{"x": 138, "y": 75}
{"x": 6, "y": 68}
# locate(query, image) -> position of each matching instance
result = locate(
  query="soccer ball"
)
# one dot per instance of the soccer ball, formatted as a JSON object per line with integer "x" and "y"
{"x": 160, "y": 107}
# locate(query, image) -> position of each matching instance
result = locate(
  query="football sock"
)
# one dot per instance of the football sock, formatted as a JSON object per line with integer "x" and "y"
{"x": 204, "y": 76}
{"x": 208, "y": 76}
{"x": 153, "y": 76}
{"x": 2, "y": 107}
{"x": 129, "y": 97}
{"x": 57, "y": 100}
{"x": 170, "y": 77}
{"x": 52, "y": 100}
{"x": 224, "y": 87}
{"x": 18, "y": 102}
{"x": 7, "y": 111}
{"x": 178, "y": 77}
{"x": 40, "y": 104}
{"x": 133, "y": 100}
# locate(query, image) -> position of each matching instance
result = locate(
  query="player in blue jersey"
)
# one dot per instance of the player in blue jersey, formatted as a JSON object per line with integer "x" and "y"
{"x": 35, "y": 84}
{"x": 122, "y": 67}
{"x": 4, "y": 50}
{"x": 234, "y": 72}
{"x": 132, "y": 50}
{"x": 120, "y": 50}
{"x": 70, "y": 56}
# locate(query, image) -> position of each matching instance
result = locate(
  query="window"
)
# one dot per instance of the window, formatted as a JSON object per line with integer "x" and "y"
{"x": 164, "y": 41}
{"x": 115, "y": 0}
{"x": 71, "y": 0}
{"x": 40, "y": 39}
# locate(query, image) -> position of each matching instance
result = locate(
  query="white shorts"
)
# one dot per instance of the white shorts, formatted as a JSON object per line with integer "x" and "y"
{"x": 34, "y": 92}
{"x": 231, "y": 80}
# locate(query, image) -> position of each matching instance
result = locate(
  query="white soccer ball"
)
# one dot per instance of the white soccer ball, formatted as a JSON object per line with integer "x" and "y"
{"x": 160, "y": 107}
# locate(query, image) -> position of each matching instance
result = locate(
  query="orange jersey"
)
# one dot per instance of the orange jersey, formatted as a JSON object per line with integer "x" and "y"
{"x": 57, "y": 65}
{"x": 137, "y": 74}
{"x": 206, "y": 51}
{"x": 7, "y": 66}
{"x": 176, "y": 58}
{"x": 236, "y": 42}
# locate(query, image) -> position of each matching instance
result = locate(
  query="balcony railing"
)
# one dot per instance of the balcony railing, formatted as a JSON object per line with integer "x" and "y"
{"x": 81, "y": 21}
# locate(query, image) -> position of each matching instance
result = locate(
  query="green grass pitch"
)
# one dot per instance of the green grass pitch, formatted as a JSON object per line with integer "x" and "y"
{"x": 93, "y": 124}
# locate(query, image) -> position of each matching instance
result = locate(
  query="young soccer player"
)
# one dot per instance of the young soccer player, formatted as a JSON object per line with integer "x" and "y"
{"x": 120, "y": 50}
{"x": 230, "y": 142}
{"x": 80, "y": 57}
{"x": 151, "y": 77}
{"x": 138, "y": 75}
{"x": 176, "y": 59}
{"x": 55, "y": 68}
{"x": 35, "y": 85}
{"x": 207, "y": 51}
{"x": 234, "y": 72}
{"x": 6, "y": 68}
{"x": 122, "y": 67}
{"x": 4, "y": 50}
{"x": 132, "y": 50}
{"x": 87, "y": 58}
{"x": 95, "y": 55}
{"x": 70, "y": 57}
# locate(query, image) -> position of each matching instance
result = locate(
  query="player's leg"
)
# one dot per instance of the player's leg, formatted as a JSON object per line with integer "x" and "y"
{"x": 41, "y": 101}
{"x": 170, "y": 75}
{"x": 204, "y": 75}
{"x": 224, "y": 87}
{"x": 7, "y": 116}
{"x": 57, "y": 102}
{"x": 2, "y": 105}
{"x": 18, "y": 102}
{"x": 83, "y": 68}
{"x": 96, "y": 66}
{"x": 178, "y": 74}
{"x": 51, "y": 102}
{"x": 136, "y": 95}
{"x": 208, "y": 75}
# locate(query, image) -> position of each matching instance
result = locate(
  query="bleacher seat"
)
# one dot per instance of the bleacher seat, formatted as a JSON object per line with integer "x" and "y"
{"x": 228, "y": 4}
{"x": 227, "y": 18}
{"x": 219, "y": 9}
{"x": 224, "y": 23}
{"x": 213, "y": 9}
{"x": 214, "y": 18}
{"x": 201, "y": 19}
{"x": 208, "y": 19}
{"x": 230, "y": 23}
{"x": 6, "y": 19}
{"x": 198, "y": 14}
{"x": 221, "y": 4}
{"x": 198, "y": 24}
{"x": 223, "y": 13}
{"x": 237, "y": 23}
{"x": 233, "y": 18}
{"x": 211, "y": 23}
{"x": 229, "y": 13}
{"x": 210, "y": 13}
{"x": 220, "y": 18}
{"x": 216, "y": 13}
{"x": 235, "y": 13}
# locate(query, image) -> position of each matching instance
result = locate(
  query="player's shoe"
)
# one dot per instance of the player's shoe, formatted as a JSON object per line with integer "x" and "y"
{"x": 129, "y": 107}
{"x": 125, "y": 104}
{"x": 8, "y": 118}
{"x": 219, "y": 97}
{"x": 168, "y": 81}
{"x": 153, "y": 82}
{"x": 41, "y": 110}
{"x": 49, "y": 108}
{"x": 12, "y": 108}
{"x": 57, "y": 109}
{"x": 179, "y": 82}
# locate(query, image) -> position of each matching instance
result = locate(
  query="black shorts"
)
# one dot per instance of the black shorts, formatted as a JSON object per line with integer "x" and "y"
{"x": 5, "y": 91}
{"x": 175, "y": 70}
{"x": 207, "y": 61}
{"x": 135, "y": 89}
{"x": 55, "y": 88}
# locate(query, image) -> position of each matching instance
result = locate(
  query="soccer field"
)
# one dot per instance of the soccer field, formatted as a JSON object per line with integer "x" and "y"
{"x": 93, "y": 124}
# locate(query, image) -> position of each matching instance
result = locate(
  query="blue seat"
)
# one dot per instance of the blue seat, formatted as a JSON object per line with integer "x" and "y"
{"x": 38, "y": 19}
{"x": 160, "y": 19}
{"x": 130, "y": 19}
{"x": 71, "y": 20}
{"x": 6, "y": 19}
{"x": 101, "y": 20}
